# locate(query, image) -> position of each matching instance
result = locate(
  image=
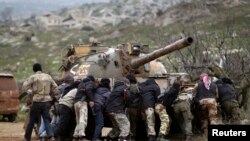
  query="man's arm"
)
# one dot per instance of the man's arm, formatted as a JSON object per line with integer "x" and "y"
{"x": 54, "y": 88}
{"x": 195, "y": 90}
{"x": 27, "y": 85}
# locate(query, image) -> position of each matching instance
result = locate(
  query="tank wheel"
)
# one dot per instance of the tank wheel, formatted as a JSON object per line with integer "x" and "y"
{"x": 12, "y": 117}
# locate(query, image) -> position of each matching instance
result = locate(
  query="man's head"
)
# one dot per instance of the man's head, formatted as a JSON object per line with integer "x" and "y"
{"x": 124, "y": 80}
{"x": 91, "y": 77}
{"x": 176, "y": 85}
{"x": 203, "y": 75}
{"x": 131, "y": 78}
{"x": 68, "y": 78}
{"x": 227, "y": 80}
{"x": 37, "y": 67}
{"x": 105, "y": 82}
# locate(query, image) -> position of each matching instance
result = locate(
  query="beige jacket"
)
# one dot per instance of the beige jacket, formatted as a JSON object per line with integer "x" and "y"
{"x": 41, "y": 85}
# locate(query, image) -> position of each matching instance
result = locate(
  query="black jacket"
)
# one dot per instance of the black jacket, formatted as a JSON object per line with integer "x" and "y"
{"x": 202, "y": 92}
{"x": 149, "y": 92}
{"x": 170, "y": 96}
{"x": 85, "y": 90}
{"x": 116, "y": 102}
{"x": 101, "y": 96}
{"x": 226, "y": 92}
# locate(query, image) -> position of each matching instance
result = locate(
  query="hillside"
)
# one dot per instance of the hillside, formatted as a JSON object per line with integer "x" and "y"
{"x": 207, "y": 22}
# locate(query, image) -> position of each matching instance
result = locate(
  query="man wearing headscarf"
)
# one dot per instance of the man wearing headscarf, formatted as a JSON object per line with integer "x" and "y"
{"x": 207, "y": 93}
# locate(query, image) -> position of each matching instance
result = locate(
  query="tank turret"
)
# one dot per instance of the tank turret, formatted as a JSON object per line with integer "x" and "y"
{"x": 104, "y": 61}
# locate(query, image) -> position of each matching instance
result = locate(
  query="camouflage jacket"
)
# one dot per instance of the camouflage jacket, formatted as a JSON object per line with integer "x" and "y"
{"x": 42, "y": 86}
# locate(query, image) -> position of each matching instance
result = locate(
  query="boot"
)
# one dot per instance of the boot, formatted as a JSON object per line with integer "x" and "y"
{"x": 162, "y": 138}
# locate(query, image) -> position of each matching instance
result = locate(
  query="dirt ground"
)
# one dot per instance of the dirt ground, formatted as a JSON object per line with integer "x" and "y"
{"x": 13, "y": 131}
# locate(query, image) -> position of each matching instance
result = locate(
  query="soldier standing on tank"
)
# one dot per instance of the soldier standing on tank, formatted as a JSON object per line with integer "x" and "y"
{"x": 42, "y": 86}
{"x": 115, "y": 109}
{"x": 100, "y": 99}
{"x": 84, "y": 96}
{"x": 133, "y": 105}
{"x": 150, "y": 90}
{"x": 227, "y": 99}
{"x": 207, "y": 94}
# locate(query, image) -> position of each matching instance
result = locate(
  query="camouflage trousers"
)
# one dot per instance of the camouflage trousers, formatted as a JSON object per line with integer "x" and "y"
{"x": 231, "y": 110}
{"x": 208, "y": 111}
{"x": 165, "y": 127}
{"x": 184, "y": 116}
{"x": 121, "y": 125}
{"x": 81, "y": 111}
{"x": 150, "y": 121}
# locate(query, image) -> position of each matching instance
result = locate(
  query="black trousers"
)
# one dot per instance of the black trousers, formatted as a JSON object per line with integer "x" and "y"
{"x": 66, "y": 125}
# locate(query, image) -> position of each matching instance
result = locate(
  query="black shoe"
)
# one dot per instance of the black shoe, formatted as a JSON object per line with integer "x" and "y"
{"x": 81, "y": 138}
{"x": 112, "y": 139}
{"x": 162, "y": 137}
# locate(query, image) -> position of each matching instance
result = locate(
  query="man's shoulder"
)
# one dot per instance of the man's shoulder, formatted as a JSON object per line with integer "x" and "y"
{"x": 41, "y": 76}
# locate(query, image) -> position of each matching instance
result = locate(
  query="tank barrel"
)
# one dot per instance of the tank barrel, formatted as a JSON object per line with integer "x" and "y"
{"x": 182, "y": 43}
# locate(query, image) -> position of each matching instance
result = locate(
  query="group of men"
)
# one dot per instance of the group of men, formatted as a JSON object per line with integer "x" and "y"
{"x": 123, "y": 104}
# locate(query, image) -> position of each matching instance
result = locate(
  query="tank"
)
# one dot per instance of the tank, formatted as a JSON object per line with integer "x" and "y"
{"x": 104, "y": 61}
{"x": 115, "y": 62}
